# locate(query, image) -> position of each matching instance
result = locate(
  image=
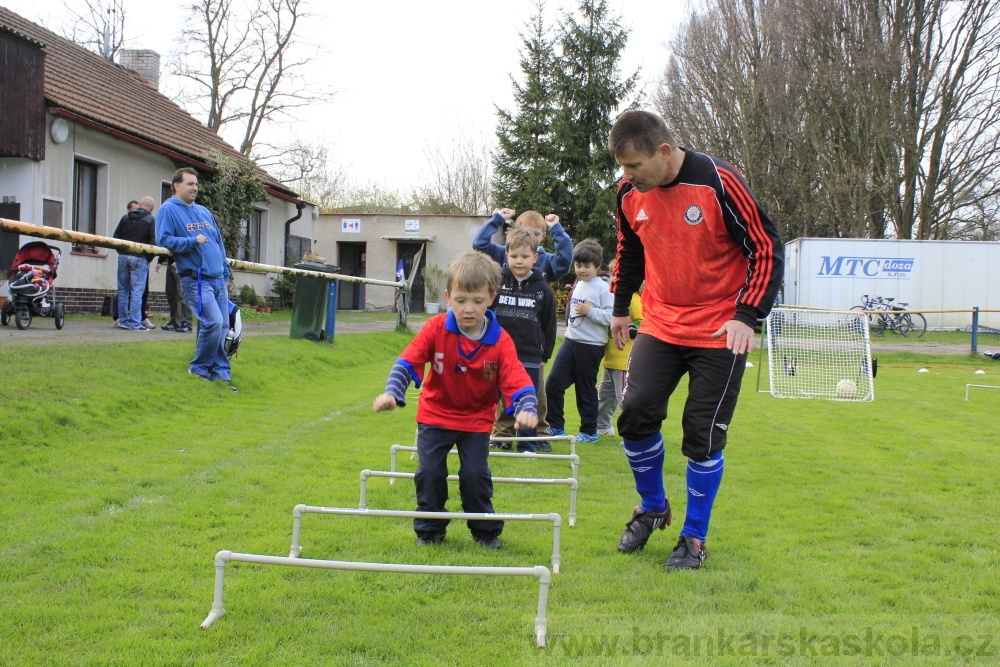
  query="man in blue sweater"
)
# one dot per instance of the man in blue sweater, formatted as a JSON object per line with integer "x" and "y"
{"x": 191, "y": 233}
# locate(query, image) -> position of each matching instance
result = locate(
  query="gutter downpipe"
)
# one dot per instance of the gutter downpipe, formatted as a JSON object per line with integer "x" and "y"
{"x": 300, "y": 205}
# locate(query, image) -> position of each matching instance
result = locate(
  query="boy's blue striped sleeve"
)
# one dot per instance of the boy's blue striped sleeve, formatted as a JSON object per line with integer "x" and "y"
{"x": 524, "y": 401}
{"x": 398, "y": 382}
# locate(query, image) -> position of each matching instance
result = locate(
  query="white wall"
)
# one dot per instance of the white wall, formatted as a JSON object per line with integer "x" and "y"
{"x": 127, "y": 172}
{"x": 936, "y": 275}
{"x": 452, "y": 234}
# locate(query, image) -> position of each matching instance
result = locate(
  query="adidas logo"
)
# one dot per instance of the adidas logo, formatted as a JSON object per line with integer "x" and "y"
{"x": 642, "y": 215}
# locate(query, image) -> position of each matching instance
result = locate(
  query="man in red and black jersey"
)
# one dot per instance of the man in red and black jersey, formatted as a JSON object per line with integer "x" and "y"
{"x": 712, "y": 262}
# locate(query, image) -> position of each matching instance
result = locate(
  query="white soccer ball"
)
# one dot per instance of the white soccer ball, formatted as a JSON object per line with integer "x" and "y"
{"x": 847, "y": 389}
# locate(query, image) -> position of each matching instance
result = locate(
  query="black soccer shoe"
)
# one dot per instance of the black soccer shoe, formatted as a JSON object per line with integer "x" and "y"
{"x": 642, "y": 525}
{"x": 489, "y": 542}
{"x": 689, "y": 554}
{"x": 429, "y": 539}
{"x": 543, "y": 447}
{"x": 501, "y": 446}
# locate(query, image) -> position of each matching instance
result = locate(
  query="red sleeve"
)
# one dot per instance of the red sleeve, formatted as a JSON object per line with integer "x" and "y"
{"x": 758, "y": 239}
{"x": 421, "y": 349}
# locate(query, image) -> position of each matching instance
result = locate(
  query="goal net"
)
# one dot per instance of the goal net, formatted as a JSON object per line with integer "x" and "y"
{"x": 819, "y": 354}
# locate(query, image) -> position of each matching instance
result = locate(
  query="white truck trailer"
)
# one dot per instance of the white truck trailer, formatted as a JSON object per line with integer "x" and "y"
{"x": 933, "y": 275}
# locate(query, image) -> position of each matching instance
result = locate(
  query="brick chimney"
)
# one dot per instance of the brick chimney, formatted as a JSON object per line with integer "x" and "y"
{"x": 143, "y": 62}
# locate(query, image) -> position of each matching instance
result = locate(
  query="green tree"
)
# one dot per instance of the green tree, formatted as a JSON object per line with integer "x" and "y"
{"x": 591, "y": 93}
{"x": 552, "y": 153}
{"x": 230, "y": 193}
{"x": 524, "y": 166}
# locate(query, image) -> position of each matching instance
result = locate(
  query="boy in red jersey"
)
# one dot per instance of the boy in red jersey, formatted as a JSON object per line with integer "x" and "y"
{"x": 471, "y": 359}
{"x": 712, "y": 262}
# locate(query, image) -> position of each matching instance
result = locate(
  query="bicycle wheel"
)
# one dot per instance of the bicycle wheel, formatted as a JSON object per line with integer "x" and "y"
{"x": 919, "y": 323}
{"x": 879, "y": 323}
{"x": 869, "y": 316}
{"x": 904, "y": 324}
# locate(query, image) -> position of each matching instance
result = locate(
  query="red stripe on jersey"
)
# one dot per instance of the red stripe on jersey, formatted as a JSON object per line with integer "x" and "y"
{"x": 763, "y": 248}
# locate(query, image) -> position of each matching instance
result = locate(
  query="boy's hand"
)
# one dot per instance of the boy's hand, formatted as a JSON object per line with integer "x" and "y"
{"x": 583, "y": 308}
{"x": 551, "y": 219}
{"x": 384, "y": 402}
{"x": 525, "y": 420}
{"x": 507, "y": 213}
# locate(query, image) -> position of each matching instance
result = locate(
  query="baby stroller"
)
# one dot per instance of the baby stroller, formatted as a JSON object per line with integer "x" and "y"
{"x": 30, "y": 285}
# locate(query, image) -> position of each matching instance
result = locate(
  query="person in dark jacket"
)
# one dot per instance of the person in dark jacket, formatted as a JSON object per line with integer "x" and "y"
{"x": 526, "y": 310}
{"x": 136, "y": 226}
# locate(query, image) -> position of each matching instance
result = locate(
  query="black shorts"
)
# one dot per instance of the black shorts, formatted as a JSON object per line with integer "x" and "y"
{"x": 655, "y": 368}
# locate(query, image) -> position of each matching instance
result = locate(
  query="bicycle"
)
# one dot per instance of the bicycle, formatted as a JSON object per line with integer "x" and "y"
{"x": 895, "y": 317}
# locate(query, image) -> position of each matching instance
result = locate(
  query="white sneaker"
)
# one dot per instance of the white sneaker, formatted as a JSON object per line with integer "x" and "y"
{"x": 146, "y": 323}
{"x": 120, "y": 325}
{"x": 606, "y": 431}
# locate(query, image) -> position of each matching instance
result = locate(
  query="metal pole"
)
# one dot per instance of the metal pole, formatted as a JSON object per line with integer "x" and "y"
{"x": 975, "y": 329}
{"x": 331, "y": 310}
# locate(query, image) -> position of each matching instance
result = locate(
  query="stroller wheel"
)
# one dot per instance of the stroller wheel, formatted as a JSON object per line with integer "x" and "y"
{"x": 23, "y": 318}
{"x": 5, "y": 312}
{"x": 59, "y": 312}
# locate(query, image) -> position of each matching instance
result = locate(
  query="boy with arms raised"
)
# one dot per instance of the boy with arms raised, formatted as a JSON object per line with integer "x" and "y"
{"x": 471, "y": 359}
{"x": 552, "y": 266}
{"x": 579, "y": 358}
{"x": 526, "y": 310}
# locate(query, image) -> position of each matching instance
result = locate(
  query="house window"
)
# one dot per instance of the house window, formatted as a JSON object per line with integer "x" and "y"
{"x": 166, "y": 191}
{"x": 52, "y": 213}
{"x": 250, "y": 238}
{"x": 84, "y": 197}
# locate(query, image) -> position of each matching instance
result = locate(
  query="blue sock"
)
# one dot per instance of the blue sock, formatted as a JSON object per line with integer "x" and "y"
{"x": 646, "y": 458}
{"x": 703, "y": 481}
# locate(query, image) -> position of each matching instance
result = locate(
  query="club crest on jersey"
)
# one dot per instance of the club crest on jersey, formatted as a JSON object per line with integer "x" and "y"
{"x": 490, "y": 370}
{"x": 693, "y": 215}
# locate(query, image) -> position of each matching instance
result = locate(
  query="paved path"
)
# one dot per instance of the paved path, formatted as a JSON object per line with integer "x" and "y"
{"x": 43, "y": 331}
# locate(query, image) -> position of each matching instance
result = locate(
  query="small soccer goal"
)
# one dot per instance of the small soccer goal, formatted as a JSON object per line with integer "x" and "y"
{"x": 823, "y": 354}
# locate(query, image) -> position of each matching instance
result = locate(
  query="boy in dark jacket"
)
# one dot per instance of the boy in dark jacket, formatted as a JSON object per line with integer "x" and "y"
{"x": 526, "y": 310}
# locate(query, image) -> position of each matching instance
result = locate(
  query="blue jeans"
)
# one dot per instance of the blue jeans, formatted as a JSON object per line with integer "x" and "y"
{"x": 133, "y": 272}
{"x": 210, "y": 357}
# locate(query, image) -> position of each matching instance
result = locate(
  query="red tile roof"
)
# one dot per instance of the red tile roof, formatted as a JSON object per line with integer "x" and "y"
{"x": 96, "y": 89}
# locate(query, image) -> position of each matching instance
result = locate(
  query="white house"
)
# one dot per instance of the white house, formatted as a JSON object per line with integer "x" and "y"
{"x": 81, "y": 136}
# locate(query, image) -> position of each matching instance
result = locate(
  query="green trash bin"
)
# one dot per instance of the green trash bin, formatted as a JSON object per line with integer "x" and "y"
{"x": 309, "y": 306}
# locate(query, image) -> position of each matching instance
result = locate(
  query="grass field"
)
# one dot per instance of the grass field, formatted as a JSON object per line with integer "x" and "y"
{"x": 844, "y": 533}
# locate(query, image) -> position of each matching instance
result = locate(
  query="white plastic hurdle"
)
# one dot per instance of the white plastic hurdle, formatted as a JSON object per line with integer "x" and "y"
{"x": 574, "y": 460}
{"x": 570, "y": 482}
{"x": 300, "y": 510}
{"x": 540, "y": 572}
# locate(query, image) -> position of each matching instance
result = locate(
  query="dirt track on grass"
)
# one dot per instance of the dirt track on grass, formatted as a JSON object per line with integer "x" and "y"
{"x": 43, "y": 331}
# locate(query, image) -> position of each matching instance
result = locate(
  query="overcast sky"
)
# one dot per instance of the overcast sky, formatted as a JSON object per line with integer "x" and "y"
{"x": 407, "y": 75}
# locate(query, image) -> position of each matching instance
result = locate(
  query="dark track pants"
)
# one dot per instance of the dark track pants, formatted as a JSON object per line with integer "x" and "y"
{"x": 576, "y": 365}
{"x": 654, "y": 370}
{"x": 474, "y": 483}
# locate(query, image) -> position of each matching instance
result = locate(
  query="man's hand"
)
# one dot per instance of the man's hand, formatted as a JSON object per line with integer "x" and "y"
{"x": 619, "y": 331}
{"x": 551, "y": 219}
{"x": 525, "y": 420}
{"x": 201, "y": 238}
{"x": 507, "y": 213}
{"x": 739, "y": 336}
{"x": 384, "y": 402}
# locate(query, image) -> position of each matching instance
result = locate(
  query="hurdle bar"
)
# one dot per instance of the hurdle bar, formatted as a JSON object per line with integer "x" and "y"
{"x": 574, "y": 460}
{"x": 570, "y": 482}
{"x": 300, "y": 509}
{"x": 981, "y": 386}
{"x": 540, "y": 572}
